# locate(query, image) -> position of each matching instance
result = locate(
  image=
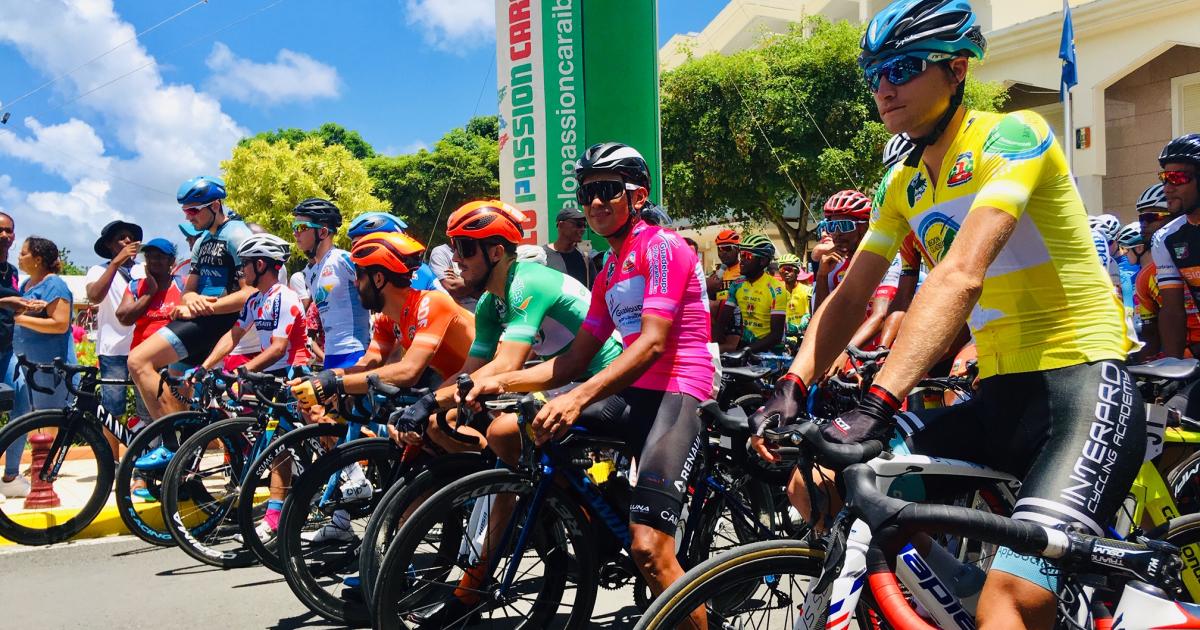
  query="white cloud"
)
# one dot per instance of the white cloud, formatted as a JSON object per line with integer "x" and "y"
{"x": 411, "y": 147}
{"x": 448, "y": 24}
{"x": 164, "y": 133}
{"x": 292, "y": 77}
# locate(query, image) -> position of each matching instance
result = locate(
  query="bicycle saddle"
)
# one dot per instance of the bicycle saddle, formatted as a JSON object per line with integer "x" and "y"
{"x": 1167, "y": 368}
{"x": 747, "y": 372}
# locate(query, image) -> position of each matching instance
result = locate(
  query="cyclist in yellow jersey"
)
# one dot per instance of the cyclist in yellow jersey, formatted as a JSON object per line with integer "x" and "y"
{"x": 759, "y": 295}
{"x": 798, "y": 294}
{"x": 994, "y": 209}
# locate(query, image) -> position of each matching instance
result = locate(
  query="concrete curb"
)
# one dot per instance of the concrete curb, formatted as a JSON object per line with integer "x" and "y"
{"x": 107, "y": 523}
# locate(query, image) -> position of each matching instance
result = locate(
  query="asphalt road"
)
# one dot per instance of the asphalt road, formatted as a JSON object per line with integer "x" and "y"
{"x": 121, "y": 582}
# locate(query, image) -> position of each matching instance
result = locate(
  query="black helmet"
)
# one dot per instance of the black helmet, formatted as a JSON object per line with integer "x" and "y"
{"x": 1182, "y": 149}
{"x": 614, "y": 157}
{"x": 320, "y": 211}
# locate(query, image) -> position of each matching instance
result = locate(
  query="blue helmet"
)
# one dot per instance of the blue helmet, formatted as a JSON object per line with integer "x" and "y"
{"x": 922, "y": 27}
{"x": 202, "y": 189}
{"x": 372, "y": 222}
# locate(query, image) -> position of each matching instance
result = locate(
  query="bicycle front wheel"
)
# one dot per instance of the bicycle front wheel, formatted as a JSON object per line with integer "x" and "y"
{"x": 85, "y": 478}
{"x": 771, "y": 577}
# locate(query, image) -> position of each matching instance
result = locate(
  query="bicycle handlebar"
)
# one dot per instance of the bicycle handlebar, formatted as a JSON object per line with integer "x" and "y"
{"x": 863, "y": 356}
{"x": 465, "y": 385}
{"x": 255, "y": 379}
{"x": 836, "y": 455}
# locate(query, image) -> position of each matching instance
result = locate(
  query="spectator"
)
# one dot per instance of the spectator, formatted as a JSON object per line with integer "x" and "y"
{"x": 441, "y": 261}
{"x": 191, "y": 235}
{"x": 694, "y": 245}
{"x": 42, "y": 333}
{"x": 11, "y": 303}
{"x": 563, "y": 254}
{"x": 148, "y": 302}
{"x": 119, "y": 243}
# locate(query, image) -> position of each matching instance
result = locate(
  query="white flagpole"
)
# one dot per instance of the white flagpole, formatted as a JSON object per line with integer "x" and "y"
{"x": 1068, "y": 132}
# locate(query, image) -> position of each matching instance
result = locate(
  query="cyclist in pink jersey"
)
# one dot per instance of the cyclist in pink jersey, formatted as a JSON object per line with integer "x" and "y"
{"x": 652, "y": 291}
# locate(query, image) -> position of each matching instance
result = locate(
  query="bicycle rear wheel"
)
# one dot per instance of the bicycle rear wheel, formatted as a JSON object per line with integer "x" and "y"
{"x": 86, "y": 478}
{"x": 200, "y": 492}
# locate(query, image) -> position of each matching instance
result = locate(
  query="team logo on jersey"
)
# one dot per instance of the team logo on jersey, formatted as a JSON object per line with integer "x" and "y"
{"x": 608, "y": 274}
{"x": 962, "y": 171}
{"x": 627, "y": 266}
{"x": 916, "y": 189}
{"x": 1181, "y": 250}
{"x": 937, "y": 232}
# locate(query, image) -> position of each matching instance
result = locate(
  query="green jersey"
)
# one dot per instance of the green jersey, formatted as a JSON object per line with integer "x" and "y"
{"x": 543, "y": 308}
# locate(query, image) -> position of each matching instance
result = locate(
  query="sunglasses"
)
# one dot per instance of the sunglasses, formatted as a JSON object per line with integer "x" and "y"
{"x": 196, "y": 209}
{"x": 727, "y": 248}
{"x": 1151, "y": 217}
{"x": 300, "y": 226}
{"x": 840, "y": 226}
{"x": 605, "y": 189}
{"x": 1176, "y": 178}
{"x": 748, "y": 255}
{"x": 464, "y": 247}
{"x": 900, "y": 69}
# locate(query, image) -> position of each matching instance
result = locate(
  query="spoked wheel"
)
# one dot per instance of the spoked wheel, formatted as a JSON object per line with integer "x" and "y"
{"x": 323, "y": 521}
{"x": 201, "y": 492}
{"x": 86, "y": 459}
{"x": 436, "y": 571}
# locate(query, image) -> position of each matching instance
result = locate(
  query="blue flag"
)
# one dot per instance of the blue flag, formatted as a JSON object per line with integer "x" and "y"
{"x": 1066, "y": 51}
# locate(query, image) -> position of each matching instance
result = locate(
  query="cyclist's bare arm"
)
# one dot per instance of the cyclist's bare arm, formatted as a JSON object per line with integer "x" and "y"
{"x": 403, "y": 373}
{"x": 832, "y": 325}
{"x": 943, "y": 304}
{"x": 1172, "y": 321}
{"x": 224, "y": 346}
{"x": 556, "y": 372}
{"x": 874, "y": 322}
{"x": 773, "y": 338}
{"x": 510, "y": 356}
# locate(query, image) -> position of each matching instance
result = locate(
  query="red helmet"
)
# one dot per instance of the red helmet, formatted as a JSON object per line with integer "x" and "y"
{"x": 728, "y": 237}
{"x": 394, "y": 251}
{"x": 848, "y": 204}
{"x": 481, "y": 219}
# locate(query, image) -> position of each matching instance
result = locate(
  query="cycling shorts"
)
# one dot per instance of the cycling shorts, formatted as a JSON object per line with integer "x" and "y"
{"x": 1075, "y": 436}
{"x": 195, "y": 338}
{"x": 664, "y": 430}
{"x": 342, "y": 360}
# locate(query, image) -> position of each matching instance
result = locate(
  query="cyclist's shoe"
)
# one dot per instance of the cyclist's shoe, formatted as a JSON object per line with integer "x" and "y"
{"x": 329, "y": 534}
{"x": 16, "y": 488}
{"x": 353, "y": 591}
{"x": 157, "y": 459}
{"x": 451, "y": 614}
{"x": 144, "y": 494}
{"x": 357, "y": 490}
{"x": 263, "y": 531}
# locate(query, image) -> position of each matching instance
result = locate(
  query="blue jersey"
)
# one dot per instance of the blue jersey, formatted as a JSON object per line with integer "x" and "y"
{"x": 215, "y": 260}
{"x": 346, "y": 323}
{"x": 424, "y": 279}
{"x": 1128, "y": 271}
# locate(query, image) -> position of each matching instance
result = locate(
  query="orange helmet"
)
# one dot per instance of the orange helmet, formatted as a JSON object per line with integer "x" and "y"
{"x": 394, "y": 251}
{"x": 849, "y": 204}
{"x": 728, "y": 237}
{"x": 481, "y": 219}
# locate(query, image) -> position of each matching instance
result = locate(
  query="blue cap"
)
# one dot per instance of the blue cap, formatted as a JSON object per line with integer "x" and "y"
{"x": 162, "y": 245}
{"x": 188, "y": 230}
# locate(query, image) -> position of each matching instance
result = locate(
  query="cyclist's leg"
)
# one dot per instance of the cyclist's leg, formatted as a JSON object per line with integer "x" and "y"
{"x": 670, "y": 451}
{"x": 144, "y": 361}
{"x": 13, "y": 377}
{"x": 1092, "y": 421}
{"x": 113, "y": 397}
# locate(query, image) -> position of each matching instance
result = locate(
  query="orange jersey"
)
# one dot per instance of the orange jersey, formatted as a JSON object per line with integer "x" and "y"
{"x": 1149, "y": 302}
{"x": 430, "y": 320}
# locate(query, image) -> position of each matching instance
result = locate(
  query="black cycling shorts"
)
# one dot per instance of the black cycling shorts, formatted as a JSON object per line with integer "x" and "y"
{"x": 663, "y": 429}
{"x": 1075, "y": 436}
{"x": 194, "y": 339}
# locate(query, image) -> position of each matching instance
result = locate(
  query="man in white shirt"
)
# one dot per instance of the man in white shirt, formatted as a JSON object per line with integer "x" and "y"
{"x": 119, "y": 243}
{"x": 441, "y": 260}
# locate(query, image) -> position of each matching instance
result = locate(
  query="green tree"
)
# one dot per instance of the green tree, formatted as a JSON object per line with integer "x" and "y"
{"x": 329, "y": 133}
{"x": 266, "y": 180}
{"x": 747, "y": 135}
{"x": 424, "y": 187}
{"x": 69, "y": 268}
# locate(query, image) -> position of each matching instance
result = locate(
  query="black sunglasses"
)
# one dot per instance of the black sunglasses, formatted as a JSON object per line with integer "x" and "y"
{"x": 464, "y": 247}
{"x": 605, "y": 189}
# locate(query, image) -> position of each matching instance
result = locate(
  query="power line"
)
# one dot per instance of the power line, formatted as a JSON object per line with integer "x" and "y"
{"x": 100, "y": 56}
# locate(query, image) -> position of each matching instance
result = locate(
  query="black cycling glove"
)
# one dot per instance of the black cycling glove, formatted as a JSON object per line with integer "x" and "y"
{"x": 786, "y": 405}
{"x": 414, "y": 416}
{"x": 871, "y": 420}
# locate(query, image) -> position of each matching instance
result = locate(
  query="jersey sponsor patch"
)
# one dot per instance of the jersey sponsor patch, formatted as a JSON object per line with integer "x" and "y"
{"x": 962, "y": 171}
{"x": 1015, "y": 140}
{"x": 916, "y": 189}
{"x": 936, "y": 232}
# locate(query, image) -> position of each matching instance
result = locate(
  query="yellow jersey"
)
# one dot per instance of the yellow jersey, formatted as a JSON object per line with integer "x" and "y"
{"x": 1046, "y": 302}
{"x": 758, "y": 301}
{"x": 728, "y": 277}
{"x": 797, "y": 306}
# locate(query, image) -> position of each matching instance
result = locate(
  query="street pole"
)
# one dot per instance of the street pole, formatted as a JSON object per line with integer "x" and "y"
{"x": 1068, "y": 132}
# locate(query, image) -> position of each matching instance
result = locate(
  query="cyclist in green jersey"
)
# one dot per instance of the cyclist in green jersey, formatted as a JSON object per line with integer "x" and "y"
{"x": 527, "y": 309}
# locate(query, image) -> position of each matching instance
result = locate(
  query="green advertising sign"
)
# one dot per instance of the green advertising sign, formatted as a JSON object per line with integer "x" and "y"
{"x": 570, "y": 75}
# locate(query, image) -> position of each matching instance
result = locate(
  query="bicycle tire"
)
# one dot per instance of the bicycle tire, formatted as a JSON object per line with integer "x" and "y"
{"x": 314, "y": 583}
{"x": 419, "y": 486}
{"x": 1183, "y": 482}
{"x": 304, "y": 445}
{"x": 154, "y": 530}
{"x": 1182, "y": 531}
{"x": 57, "y": 530}
{"x": 563, "y": 538}
{"x": 201, "y": 541}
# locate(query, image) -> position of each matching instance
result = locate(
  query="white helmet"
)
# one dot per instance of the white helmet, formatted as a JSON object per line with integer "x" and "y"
{"x": 1105, "y": 224}
{"x": 266, "y": 246}
{"x": 896, "y": 149}
{"x": 531, "y": 253}
{"x": 1152, "y": 197}
{"x": 1130, "y": 235}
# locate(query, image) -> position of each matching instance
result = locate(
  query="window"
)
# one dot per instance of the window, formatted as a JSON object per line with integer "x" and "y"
{"x": 1185, "y": 104}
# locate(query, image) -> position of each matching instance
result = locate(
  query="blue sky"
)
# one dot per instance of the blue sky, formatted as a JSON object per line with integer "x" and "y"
{"x": 401, "y": 72}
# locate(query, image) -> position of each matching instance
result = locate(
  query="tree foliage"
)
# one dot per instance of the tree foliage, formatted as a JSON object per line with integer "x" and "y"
{"x": 746, "y": 135}
{"x": 266, "y": 180}
{"x": 69, "y": 268}
{"x": 424, "y": 187}
{"x": 329, "y": 133}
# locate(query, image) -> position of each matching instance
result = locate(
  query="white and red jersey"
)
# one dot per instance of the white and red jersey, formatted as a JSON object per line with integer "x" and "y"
{"x": 657, "y": 273}
{"x": 277, "y": 313}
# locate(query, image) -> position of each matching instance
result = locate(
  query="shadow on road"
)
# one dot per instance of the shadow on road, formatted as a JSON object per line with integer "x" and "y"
{"x": 623, "y": 618}
{"x": 139, "y": 551}
{"x": 192, "y": 570}
{"x": 262, "y": 583}
{"x": 307, "y": 620}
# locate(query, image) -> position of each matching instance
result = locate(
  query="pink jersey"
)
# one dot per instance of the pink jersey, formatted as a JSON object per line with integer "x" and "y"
{"x": 657, "y": 273}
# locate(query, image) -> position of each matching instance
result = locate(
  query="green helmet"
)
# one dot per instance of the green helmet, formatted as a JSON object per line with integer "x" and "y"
{"x": 759, "y": 245}
{"x": 788, "y": 259}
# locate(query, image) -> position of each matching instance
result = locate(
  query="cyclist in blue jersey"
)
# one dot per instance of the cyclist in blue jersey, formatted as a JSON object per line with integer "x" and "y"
{"x": 330, "y": 282}
{"x": 214, "y": 294}
{"x": 372, "y": 222}
{"x": 1131, "y": 246}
